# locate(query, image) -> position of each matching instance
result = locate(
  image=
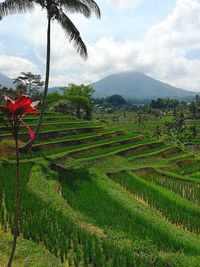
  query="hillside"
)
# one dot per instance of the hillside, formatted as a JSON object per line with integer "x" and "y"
{"x": 6, "y": 81}
{"x": 137, "y": 85}
{"x": 76, "y": 168}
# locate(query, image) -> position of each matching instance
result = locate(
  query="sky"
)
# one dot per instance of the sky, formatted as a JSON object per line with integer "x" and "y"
{"x": 160, "y": 38}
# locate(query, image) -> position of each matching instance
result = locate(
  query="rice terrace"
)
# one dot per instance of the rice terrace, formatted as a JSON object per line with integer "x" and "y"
{"x": 105, "y": 173}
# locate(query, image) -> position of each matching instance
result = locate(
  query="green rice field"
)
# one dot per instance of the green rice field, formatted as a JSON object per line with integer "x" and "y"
{"x": 101, "y": 194}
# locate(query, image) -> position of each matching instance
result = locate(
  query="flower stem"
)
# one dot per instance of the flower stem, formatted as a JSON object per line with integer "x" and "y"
{"x": 17, "y": 199}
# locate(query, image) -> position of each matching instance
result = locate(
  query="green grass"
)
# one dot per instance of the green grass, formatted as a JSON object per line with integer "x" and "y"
{"x": 149, "y": 152}
{"x": 28, "y": 254}
{"x": 178, "y": 210}
{"x": 186, "y": 187}
{"x": 78, "y": 135}
{"x": 54, "y": 129}
{"x": 186, "y": 166}
{"x": 74, "y": 148}
{"x": 89, "y": 218}
{"x": 51, "y": 125}
{"x": 84, "y": 138}
{"x": 99, "y": 151}
{"x": 123, "y": 214}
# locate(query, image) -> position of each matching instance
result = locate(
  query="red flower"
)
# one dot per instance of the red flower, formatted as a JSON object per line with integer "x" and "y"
{"x": 16, "y": 109}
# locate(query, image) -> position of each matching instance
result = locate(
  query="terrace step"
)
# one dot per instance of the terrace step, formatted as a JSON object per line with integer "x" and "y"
{"x": 75, "y": 141}
{"x": 178, "y": 210}
{"x": 133, "y": 218}
{"x": 103, "y": 152}
{"x": 195, "y": 175}
{"x": 139, "y": 148}
{"x": 147, "y": 222}
{"x": 91, "y": 149}
{"x": 102, "y": 149}
{"x": 44, "y": 135}
{"x": 152, "y": 152}
{"x": 3, "y": 129}
{"x": 184, "y": 167}
{"x": 49, "y": 118}
{"x": 186, "y": 187}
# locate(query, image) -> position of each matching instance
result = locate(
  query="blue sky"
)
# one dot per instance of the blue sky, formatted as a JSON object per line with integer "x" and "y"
{"x": 157, "y": 37}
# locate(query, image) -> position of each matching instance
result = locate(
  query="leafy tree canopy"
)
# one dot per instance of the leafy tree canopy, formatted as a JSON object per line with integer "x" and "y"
{"x": 116, "y": 100}
{"x": 164, "y": 103}
{"x": 28, "y": 83}
{"x": 77, "y": 90}
{"x": 53, "y": 97}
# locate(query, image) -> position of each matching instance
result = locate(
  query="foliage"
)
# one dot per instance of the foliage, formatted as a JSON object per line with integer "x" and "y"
{"x": 79, "y": 97}
{"x": 193, "y": 131}
{"x": 77, "y": 90}
{"x": 62, "y": 106}
{"x": 29, "y": 84}
{"x": 140, "y": 119}
{"x": 164, "y": 103}
{"x": 52, "y": 98}
{"x": 116, "y": 100}
{"x": 6, "y": 91}
{"x": 157, "y": 132}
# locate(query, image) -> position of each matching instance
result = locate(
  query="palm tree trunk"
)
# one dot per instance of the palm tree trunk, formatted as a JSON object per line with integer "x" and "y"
{"x": 17, "y": 204}
{"x": 37, "y": 129}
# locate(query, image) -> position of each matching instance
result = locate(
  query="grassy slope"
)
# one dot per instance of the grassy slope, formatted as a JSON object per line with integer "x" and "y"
{"x": 117, "y": 197}
{"x": 28, "y": 254}
{"x": 126, "y": 220}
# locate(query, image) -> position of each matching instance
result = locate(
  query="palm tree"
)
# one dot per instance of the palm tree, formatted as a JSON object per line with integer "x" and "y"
{"x": 194, "y": 131}
{"x": 157, "y": 132}
{"x": 55, "y": 11}
{"x": 180, "y": 122}
{"x": 140, "y": 120}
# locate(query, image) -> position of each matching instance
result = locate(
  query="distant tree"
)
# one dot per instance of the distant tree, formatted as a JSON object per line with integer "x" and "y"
{"x": 81, "y": 106}
{"x": 52, "y": 98}
{"x": 28, "y": 83}
{"x": 139, "y": 119}
{"x": 62, "y": 106}
{"x": 169, "y": 127}
{"x": 157, "y": 132}
{"x": 99, "y": 101}
{"x": 197, "y": 100}
{"x": 193, "y": 109}
{"x": 77, "y": 90}
{"x": 177, "y": 128}
{"x": 180, "y": 122}
{"x": 7, "y": 91}
{"x": 164, "y": 103}
{"x": 193, "y": 131}
{"x": 80, "y": 97}
{"x": 116, "y": 100}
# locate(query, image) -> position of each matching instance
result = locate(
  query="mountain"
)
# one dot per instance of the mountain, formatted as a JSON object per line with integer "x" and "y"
{"x": 6, "y": 81}
{"x": 136, "y": 85}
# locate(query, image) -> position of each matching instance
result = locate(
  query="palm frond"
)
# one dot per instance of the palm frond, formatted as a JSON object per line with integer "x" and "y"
{"x": 76, "y": 7}
{"x": 72, "y": 32}
{"x": 93, "y": 6}
{"x": 9, "y": 7}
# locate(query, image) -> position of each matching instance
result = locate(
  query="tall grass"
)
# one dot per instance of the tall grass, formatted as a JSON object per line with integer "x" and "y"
{"x": 177, "y": 210}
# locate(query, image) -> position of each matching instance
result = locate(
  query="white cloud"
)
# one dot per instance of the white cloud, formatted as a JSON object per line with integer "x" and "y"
{"x": 121, "y": 4}
{"x": 12, "y": 66}
{"x": 162, "y": 54}
{"x": 180, "y": 29}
